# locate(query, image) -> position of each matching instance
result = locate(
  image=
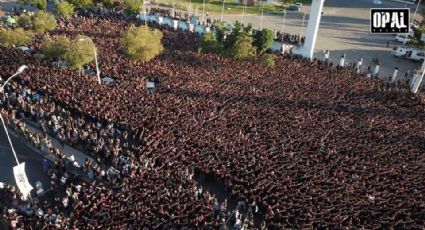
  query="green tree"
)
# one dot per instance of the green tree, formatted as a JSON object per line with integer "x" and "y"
{"x": 263, "y": 40}
{"x": 238, "y": 31}
{"x": 417, "y": 37}
{"x": 82, "y": 3}
{"x": 243, "y": 49}
{"x": 40, "y": 4}
{"x": 133, "y": 7}
{"x": 268, "y": 60}
{"x": 209, "y": 43}
{"x": 56, "y": 47}
{"x": 43, "y": 22}
{"x": 220, "y": 31}
{"x": 108, "y": 3}
{"x": 287, "y": 2}
{"x": 141, "y": 43}
{"x": 25, "y": 21}
{"x": 79, "y": 53}
{"x": 65, "y": 9}
{"x": 17, "y": 37}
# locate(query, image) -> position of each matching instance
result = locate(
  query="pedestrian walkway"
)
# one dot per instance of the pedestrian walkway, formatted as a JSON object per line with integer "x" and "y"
{"x": 67, "y": 150}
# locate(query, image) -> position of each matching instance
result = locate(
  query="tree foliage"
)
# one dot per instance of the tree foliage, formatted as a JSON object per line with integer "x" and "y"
{"x": 24, "y": 21}
{"x": 82, "y": 3}
{"x": 141, "y": 43}
{"x": 417, "y": 37}
{"x": 17, "y": 37}
{"x": 108, "y": 3}
{"x": 133, "y": 7}
{"x": 65, "y": 9}
{"x": 263, "y": 40}
{"x": 76, "y": 53}
{"x": 209, "y": 43}
{"x": 288, "y": 2}
{"x": 238, "y": 31}
{"x": 40, "y": 4}
{"x": 220, "y": 31}
{"x": 43, "y": 22}
{"x": 243, "y": 49}
{"x": 79, "y": 53}
{"x": 268, "y": 60}
{"x": 56, "y": 47}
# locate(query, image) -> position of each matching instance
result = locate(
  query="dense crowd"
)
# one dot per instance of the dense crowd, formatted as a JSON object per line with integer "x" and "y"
{"x": 304, "y": 144}
{"x": 289, "y": 38}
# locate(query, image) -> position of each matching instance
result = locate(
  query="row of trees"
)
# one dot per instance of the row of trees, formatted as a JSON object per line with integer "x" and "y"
{"x": 75, "y": 53}
{"x": 138, "y": 43}
{"x": 40, "y": 22}
{"x": 66, "y": 8}
{"x": 240, "y": 43}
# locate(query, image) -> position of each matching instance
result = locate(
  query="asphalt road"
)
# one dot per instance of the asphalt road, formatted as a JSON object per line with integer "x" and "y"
{"x": 344, "y": 28}
{"x": 33, "y": 160}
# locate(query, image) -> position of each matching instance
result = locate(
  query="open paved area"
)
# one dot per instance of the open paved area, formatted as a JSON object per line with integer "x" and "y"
{"x": 344, "y": 28}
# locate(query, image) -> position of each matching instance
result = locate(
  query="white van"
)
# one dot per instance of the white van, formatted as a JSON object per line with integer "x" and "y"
{"x": 409, "y": 53}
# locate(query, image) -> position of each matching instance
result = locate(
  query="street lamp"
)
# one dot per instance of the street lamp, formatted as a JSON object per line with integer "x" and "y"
{"x": 203, "y": 11}
{"x": 18, "y": 170}
{"x": 243, "y": 11}
{"x": 20, "y": 70}
{"x": 222, "y": 12}
{"x": 262, "y": 13}
{"x": 284, "y": 17}
{"x": 411, "y": 23}
{"x": 95, "y": 57}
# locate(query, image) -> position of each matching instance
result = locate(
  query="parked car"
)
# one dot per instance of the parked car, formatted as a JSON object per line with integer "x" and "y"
{"x": 403, "y": 38}
{"x": 409, "y": 53}
{"x": 410, "y": 34}
{"x": 294, "y": 7}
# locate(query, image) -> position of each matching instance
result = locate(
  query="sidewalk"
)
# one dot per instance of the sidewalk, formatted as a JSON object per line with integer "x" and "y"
{"x": 67, "y": 149}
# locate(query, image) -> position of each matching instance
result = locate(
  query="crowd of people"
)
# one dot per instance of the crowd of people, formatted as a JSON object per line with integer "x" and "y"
{"x": 289, "y": 38}
{"x": 303, "y": 144}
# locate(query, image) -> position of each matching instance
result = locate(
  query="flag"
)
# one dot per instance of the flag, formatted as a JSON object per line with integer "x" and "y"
{"x": 22, "y": 180}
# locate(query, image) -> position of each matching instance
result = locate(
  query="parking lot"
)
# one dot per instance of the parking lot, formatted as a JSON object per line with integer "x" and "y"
{"x": 344, "y": 28}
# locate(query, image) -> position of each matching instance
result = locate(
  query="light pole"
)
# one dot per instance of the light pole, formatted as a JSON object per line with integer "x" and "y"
{"x": 413, "y": 19}
{"x": 243, "y": 11}
{"x": 262, "y": 13}
{"x": 20, "y": 70}
{"x": 222, "y": 12}
{"x": 302, "y": 24}
{"x": 284, "y": 17}
{"x": 203, "y": 11}
{"x": 95, "y": 57}
{"x": 174, "y": 10}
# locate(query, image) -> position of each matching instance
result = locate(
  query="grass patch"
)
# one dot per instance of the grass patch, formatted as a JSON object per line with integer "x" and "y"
{"x": 230, "y": 6}
{"x": 305, "y": 1}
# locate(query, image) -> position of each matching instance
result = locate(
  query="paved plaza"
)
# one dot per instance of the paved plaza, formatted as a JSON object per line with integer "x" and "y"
{"x": 344, "y": 28}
